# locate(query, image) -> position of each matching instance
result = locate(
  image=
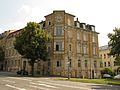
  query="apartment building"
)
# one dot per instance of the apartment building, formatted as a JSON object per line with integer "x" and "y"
{"x": 2, "y": 45}
{"x": 73, "y": 48}
{"x": 108, "y": 61}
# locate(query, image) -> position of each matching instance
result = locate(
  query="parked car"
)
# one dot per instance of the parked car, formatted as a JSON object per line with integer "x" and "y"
{"x": 117, "y": 76}
{"x": 22, "y": 72}
{"x": 107, "y": 76}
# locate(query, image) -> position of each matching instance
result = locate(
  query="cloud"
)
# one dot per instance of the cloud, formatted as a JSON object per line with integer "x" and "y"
{"x": 24, "y": 10}
{"x": 1, "y": 31}
{"x": 35, "y": 15}
{"x": 28, "y": 13}
{"x": 17, "y": 25}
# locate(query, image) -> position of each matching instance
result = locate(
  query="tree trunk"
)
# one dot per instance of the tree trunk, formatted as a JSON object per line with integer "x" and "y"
{"x": 32, "y": 69}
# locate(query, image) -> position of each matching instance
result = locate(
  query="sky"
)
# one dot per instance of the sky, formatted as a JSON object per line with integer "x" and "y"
{"x": 104, "y": 14}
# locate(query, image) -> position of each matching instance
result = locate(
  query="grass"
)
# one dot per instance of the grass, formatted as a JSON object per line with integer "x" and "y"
{"x": 97, "y": 81}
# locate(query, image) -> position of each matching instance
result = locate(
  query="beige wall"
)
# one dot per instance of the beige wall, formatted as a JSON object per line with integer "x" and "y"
{"x": 66, "y": 20}
{"x": 73, "y": 55}
{"x": 103, "y": 54}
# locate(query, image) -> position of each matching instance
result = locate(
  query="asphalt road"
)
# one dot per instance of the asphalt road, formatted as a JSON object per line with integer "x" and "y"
{"x": 10, "y": 81}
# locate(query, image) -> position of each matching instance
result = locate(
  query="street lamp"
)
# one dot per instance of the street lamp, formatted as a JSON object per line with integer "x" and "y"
{"x": 68, "y": 68}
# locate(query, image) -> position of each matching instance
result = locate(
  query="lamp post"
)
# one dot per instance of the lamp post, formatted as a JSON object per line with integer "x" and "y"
{"x": 68, "y": 68}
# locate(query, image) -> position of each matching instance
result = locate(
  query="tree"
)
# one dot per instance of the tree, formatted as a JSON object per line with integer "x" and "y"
{"x": 114, "y": 44}
{"x": 108, "y": 71}
{"x": 31, "y": 43}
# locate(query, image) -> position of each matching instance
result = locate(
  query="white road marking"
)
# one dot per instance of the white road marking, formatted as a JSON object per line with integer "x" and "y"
{"x": 46, "y": 78}
{"x": 14, "y": 87}
{"x": 20, "y": 78}
{"x": 44, "y": 85}
{"x": 39, "y": 87}
{"x": 85, "y": 88}
{"x": 9, "y": 81}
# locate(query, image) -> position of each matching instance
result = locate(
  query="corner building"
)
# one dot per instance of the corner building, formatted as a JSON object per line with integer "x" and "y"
{"x": 73, "y": 48}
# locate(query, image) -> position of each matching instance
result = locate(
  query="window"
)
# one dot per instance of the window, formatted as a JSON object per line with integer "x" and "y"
{"x": 70, "y": 64}
{"x": 69, "y": 47}
{"x": 85, "y": 37}
{"x": 83, "y": 26}
{"x": 108, "y": 55}
{"x": 49, "y": 23}
{"x": 79, "y": 63}
{"x": 69, "y": 34}
{"x": 93, "y": 38}
{"x": 94, "y": 50}
{"x": 48, "y": 48}
{"x": 93, "y": 28}
{"x": 69, "y": 22}
{"x": 78, "y": 47}
{"x": 104, "y": 56}
{"x": 95, "y": 64}
{"x": 105, "y": 64}
{"x": 86, "y": 63}
{"x": 58, "y": 63}
{"x": 85, "y": 49}
{"x": 58, "y": 46}
{"x": 49, "y": 63}
{"x": 58, "y": 30}
{"x": 108, "y": 63}
{"x": 78, "y": 36}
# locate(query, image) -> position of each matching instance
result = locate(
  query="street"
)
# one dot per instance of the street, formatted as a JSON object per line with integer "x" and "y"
{"x": 9, "y": 81}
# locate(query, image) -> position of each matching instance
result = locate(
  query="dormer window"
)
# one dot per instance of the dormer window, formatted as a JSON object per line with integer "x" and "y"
{"x": 83, "y": 26}
{"x": 93, "y": 28}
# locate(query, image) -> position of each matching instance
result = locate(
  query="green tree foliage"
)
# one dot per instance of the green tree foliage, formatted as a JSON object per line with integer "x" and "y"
{"x": 32, "y": 43}
{"x": 114, "y": 44}
{"x": 108, "y": 71}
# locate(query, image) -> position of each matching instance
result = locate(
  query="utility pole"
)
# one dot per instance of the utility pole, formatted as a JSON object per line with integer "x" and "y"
{"x": 68, "y": 68}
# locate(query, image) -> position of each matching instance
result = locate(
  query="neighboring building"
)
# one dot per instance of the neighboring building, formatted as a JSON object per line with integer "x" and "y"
{"x": 74, "y": 43}
{"x": 73, "y": 48}
{"x": 3, "y": 37}
{"x": 13, "y": 60}
{"x": 107, "y": 61}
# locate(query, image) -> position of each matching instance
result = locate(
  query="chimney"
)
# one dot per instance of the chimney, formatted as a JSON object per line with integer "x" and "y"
{"x": 76, "y": 19}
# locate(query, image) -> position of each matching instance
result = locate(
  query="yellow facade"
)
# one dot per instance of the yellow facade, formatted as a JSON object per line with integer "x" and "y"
{"x": 107, "y": 60}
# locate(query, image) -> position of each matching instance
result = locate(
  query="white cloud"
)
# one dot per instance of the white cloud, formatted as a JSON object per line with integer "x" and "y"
{"x": 35, "y": 15}
{"x": 17, "y": 25}
{"x": 1, "y": 31}
{"x": 24, "y": 10}
{"x": 28, "y": 13}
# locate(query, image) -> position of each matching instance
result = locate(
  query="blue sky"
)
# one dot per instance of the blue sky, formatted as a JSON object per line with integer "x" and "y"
{"x": 104, "y": 14}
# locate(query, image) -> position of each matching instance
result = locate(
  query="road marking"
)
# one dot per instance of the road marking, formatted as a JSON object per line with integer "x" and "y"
{"x": 14, "y": 87}
{"x": 46, "y": 78}
{"x": 85, "y": 88}
{"x": 39, "y": 87}
{"x": 9, "y": 81}
{"x": 44, "y": 85}
{"x": 20, "y": 78}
